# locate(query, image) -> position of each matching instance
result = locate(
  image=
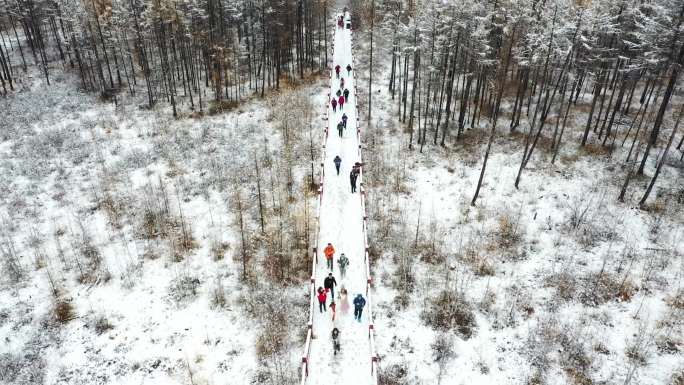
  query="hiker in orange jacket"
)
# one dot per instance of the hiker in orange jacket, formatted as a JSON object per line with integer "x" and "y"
{"x": 329, "y": 251}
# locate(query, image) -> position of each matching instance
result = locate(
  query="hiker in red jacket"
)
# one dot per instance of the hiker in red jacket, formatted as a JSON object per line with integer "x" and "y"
{"x": 322, "y": 297}
{"x": 341, "y": 102}
{"x": 334, "y": 104}
{"x": 337, "y": 71}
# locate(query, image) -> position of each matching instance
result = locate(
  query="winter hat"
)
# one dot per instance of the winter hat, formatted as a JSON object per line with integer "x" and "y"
{"x": 329, "y": 274}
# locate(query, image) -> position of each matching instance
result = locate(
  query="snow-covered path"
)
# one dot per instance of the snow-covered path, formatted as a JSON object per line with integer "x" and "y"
{"x": 341, "y": 223}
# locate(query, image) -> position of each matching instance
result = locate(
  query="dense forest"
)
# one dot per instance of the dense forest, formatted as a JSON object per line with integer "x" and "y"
{"x": 453, "y": 65}
{"x": 196, "y": 50}
{"x": 613, "y": 64}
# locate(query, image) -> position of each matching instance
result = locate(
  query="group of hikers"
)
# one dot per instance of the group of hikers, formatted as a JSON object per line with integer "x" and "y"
{"x": 353, "y": 174}
{"x": 329, "y": 285}
{"x": 342, "y": 94}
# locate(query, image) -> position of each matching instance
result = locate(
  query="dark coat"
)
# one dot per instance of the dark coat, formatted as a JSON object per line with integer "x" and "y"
{"x": 329, "y": 282}
{"x": 337, "y": 160}
{"x": 359, "y": 302}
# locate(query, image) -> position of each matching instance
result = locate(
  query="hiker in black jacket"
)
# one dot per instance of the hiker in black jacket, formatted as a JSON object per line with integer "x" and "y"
{"x": 337, "y": 161}
{"x": 329, "y": 283}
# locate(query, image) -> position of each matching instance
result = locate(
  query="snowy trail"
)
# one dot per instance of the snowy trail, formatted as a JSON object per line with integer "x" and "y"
{"x": 341, "y": 223}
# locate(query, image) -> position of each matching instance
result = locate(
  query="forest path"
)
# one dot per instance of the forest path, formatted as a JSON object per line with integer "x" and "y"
{"x": 341, "y": 223}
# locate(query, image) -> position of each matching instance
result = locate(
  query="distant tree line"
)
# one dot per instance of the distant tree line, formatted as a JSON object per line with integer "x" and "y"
{"x": 220, "y": 50}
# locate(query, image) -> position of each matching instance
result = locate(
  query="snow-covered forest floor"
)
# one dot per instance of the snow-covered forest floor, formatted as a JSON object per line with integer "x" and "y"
{"x": 552, "y": 283}
{"x": 122, "y": 238}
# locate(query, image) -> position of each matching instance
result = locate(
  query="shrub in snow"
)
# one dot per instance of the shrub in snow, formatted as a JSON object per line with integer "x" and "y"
{"x": 509, "y": 232}
{"x": 218, "y": 295}
{"x": 678, "y": 377}
{"x": 91, "y": 270}
{"x": 394, "y": 374}
{"x": 99, "y": 323}
{"x": 184, "y": 288}
{"x": 677, "y": 300}
{"x": 10, "y": 265}
{"x": 565, "y": 284}
{"x": 64, "y": 311}
{"x": 604, "y": 286}
{"x": 442, "y": 352}
{"x": 552, "y": 339}
{"x": 450, "y": 311}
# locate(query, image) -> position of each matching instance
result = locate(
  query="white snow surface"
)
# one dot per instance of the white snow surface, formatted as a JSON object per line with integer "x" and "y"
{"x": 341, "y": 223}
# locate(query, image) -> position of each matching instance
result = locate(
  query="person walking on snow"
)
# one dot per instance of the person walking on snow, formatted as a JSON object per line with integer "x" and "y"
{"x": 352, "y": 179}
{"x": 335, "y": 340}
{"x": 341, "y": 101}
{"x": 343, "y": 262}
{"x": 337, "y": 71}
{"x": 344, "y": 307}
{"x": 340, "y": 128}
{"x": 329, "y": 283}
{"x": 349, "y": 69}
{"x": 329, "y": 251}
{"x": 341, "y": 83}
{"x": 337, "y": 161}
{"x": 338, "y": 93}
{"x": 344, "y": 120}
{"x": 356, "y": 169}
{"x": 346, "y": 93}
{"x": 359, "y": 303}
{"x": 332, "y": 307}
{"x": 334, "y": 104}
{"x": 322, "y": 297}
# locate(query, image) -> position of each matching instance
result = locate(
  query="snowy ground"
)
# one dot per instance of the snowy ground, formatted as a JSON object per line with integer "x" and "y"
{"x": 79, "y": 178}
{"x": 526, "y": 260}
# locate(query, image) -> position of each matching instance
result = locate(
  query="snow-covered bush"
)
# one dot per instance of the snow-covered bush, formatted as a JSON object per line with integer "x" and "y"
{"x": 100, "y": 323}
{"x": 442, "y": 351}
{"x": 64, "y": 311}
{"x": 394, "y": 374}
{"x": 451, "y": 311}
{"x": 91, "y": 270}
{"x": 184, "y": 289}
{"x": 601, "y": 287}
{"x": 218, "y": 295}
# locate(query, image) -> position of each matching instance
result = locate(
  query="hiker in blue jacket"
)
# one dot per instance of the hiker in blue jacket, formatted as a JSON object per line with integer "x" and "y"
{"x": 359, "y": 303}
{"x": 337, "y": 161}
{"x": 344, "y": 120}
